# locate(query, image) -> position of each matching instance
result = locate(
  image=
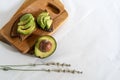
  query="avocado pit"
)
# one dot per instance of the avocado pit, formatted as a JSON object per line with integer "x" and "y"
{"x": 45, "y": 45}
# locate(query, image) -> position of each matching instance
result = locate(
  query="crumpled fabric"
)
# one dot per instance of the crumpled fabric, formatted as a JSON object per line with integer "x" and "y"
{"x": 89, "y": 40}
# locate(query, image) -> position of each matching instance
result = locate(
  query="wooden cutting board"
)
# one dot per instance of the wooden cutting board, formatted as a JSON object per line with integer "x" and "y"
{"x": 57, "y": 13}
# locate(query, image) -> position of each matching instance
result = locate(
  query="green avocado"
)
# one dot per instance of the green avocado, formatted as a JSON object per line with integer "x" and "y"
{"x": 41, "y": 17}
{"x": 26, "y": 25}
{"x": 45, "y": 46}
{"x": 26, "y": 31}
{"x": 44, "y": 20}
{"x": 48, "y": 23}
{"x": 25, "y": 19}
{"x": 44, "y": 14}
{"x": 41, "y": 23}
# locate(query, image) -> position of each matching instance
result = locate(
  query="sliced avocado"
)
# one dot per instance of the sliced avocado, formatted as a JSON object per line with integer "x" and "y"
{"x": 44, "y": 20}
{"x": 25, "y": 19}
{"x": 45, "y": 46}
{"x": 26, "y": 31}
{"x": 44, "y": 14}
{"x": 40, "y": 17}
{"x": 49, "y": 23}
{"x": 41, "y": 22}
{"x": 26, "y": 25}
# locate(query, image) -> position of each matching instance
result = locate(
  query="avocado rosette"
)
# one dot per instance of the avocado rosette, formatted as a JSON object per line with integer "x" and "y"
{"x": 44, "y": 20}
{"x": 26, "y": 24}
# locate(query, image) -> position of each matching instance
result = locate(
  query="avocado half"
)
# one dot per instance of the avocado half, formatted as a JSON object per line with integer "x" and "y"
{"x": 42, "y": 42}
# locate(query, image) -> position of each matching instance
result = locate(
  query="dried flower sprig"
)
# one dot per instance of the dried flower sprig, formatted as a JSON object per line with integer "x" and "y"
{"x": 58, "y": 70}
{"x": 58, "y": 64}
{"x": 65, "y": 71}
{"x": 45, "y": 70}
{"x": 46, "y": 64}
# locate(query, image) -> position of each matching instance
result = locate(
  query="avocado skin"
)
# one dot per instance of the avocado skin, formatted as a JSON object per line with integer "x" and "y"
{"x": 26, "y": 25}
{"x": 41, "y": 54}
{"x": 44, "y": 21}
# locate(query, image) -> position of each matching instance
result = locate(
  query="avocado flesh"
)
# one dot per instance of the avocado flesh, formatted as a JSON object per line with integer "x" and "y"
{"x": 49, "y": 23}
{"x": 44, "y": 14}
{"x": 25, "y": 19}
{"x": 41, "y": 22}
{"x": 26, "y": 25}
{"x": 44, "y": 20}
{"x": 26, "y": 31}
{"x": 42, "y": 54}
{"x": 41, "y": 18}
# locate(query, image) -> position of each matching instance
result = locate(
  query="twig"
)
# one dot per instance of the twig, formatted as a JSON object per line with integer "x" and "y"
{"x": 45, "y": 70}
{"x": 46, "y": 64}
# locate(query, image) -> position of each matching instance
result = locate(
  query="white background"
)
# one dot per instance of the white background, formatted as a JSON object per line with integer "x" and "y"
{"x": 89, "y": 40}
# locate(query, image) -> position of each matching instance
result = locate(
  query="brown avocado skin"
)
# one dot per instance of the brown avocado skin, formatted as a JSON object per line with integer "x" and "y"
{"x": 44, "y": 54}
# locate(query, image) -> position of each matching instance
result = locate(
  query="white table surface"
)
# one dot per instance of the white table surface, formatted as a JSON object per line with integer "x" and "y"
{"x": 89, "y": 40}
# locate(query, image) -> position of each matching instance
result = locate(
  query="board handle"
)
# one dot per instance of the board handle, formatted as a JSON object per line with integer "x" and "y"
{"x": 55, "y": 7}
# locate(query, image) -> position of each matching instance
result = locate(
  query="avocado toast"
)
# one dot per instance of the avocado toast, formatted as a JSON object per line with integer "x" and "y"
{"x": 57, "y": 15}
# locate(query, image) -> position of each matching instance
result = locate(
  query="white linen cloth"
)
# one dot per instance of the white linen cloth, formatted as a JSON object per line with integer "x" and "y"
{"x": 89, "y": 40}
